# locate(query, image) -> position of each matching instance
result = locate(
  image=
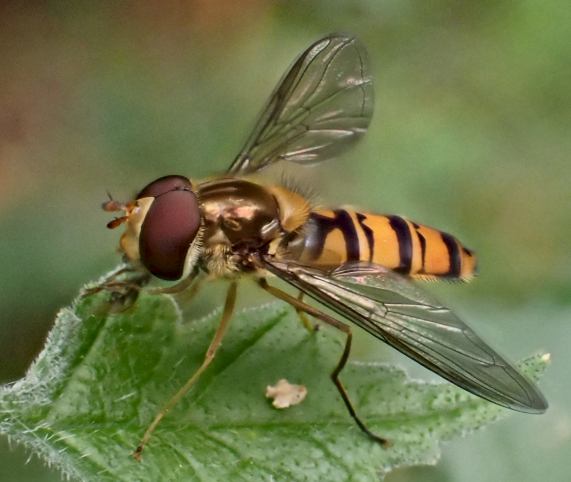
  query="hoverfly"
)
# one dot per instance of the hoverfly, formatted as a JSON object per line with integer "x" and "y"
{"x": 357, "y": 264}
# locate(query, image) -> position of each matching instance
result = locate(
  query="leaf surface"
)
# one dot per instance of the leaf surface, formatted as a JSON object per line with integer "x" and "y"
{"x": 101, "y": 377}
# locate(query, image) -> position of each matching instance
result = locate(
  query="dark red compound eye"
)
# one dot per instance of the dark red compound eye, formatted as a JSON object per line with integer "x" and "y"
{"x": 169, "y": 227}
{"x": 163, "y": 185}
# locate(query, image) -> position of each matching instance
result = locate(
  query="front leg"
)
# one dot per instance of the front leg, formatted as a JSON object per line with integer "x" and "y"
{"x": 123, "y": 284}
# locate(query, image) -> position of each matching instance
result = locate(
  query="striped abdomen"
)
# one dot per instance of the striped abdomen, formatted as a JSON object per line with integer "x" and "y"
{"x": 334, "y": 237}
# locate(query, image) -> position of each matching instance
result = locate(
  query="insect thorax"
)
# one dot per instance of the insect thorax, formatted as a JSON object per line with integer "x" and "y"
{"x": 242, "y": 218}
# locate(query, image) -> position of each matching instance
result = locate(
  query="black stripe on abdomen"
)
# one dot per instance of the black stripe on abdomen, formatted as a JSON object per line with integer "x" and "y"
{"x": 319, "y": 227}
{"x": 401, "y": 229}
{"x": 368, "y": 234}
{"x": 422, "y": 241}
{"x": 347, "y": 227}
{"x": 455, "y": 263}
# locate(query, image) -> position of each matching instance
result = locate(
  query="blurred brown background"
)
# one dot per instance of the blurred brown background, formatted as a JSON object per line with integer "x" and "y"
{"x": 470, "y": 134}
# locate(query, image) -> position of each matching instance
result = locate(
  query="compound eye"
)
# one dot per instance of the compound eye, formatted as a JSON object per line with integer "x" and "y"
{"x": 168, "y": 230}
{"x": 163, "y": 185}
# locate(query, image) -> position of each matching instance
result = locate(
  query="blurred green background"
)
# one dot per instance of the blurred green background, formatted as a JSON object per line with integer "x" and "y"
{"x": 470, "y": 134}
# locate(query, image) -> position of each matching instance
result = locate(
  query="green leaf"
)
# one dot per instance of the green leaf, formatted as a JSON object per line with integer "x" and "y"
{"x": 101, "y": 377}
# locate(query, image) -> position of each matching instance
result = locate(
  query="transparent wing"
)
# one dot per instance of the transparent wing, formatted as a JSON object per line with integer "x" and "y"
{"x": 394, "y": 310}
{"x": 322, "y": 104}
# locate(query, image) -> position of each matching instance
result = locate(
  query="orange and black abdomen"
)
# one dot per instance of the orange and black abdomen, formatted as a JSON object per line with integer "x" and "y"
{"x": 333, "y": 237}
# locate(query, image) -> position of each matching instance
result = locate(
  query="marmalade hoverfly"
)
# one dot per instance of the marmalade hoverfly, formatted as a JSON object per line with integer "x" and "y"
{"x": 357, "y": 264}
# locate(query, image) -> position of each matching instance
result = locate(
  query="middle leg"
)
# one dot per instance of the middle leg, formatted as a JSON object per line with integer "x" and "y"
{"x": 305, "y": 321}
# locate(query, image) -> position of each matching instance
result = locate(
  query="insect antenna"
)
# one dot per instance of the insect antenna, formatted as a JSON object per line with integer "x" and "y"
{"x": 116, "y": 222}
{"x": 112, "y": 206}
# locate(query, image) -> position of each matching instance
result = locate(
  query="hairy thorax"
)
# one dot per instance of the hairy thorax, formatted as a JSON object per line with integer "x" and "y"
{"x": 221, "y": 262}
{"x": 241, "y": 219}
